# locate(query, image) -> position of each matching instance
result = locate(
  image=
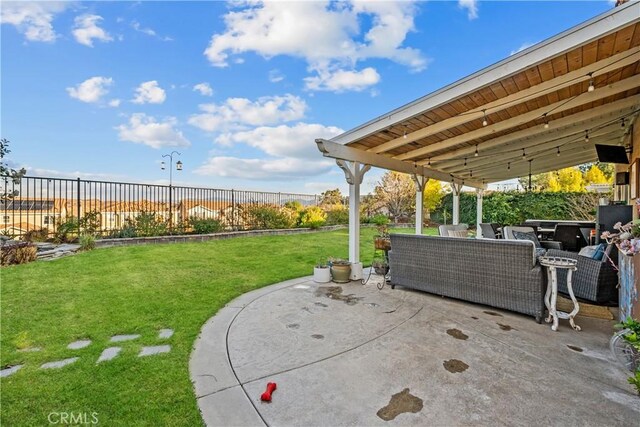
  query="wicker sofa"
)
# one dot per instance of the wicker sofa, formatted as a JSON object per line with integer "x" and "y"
{"x": 498, "y": 273}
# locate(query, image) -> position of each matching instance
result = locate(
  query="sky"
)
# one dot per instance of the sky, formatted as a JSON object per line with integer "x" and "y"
{"x": 102, "y": 90}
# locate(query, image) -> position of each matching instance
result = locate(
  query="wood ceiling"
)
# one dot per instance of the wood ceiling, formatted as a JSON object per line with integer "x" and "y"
{"x": 530, "y": 116}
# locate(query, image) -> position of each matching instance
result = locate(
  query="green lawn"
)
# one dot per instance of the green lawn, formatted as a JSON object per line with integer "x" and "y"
{"x": 136, "y": 289}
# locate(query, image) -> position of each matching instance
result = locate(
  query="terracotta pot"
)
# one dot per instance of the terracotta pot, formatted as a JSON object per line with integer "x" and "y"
{"x": 382, "y": 243}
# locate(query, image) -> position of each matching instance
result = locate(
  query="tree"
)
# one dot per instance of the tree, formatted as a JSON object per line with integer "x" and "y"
{"x": 570, "y": 179}
{"x": 396, "y": 192}
{"x": 594, "y": 176}
{"x": 331, "y": 199}
{"x": 433, "y": 194}
{"x": 8, "y": 173}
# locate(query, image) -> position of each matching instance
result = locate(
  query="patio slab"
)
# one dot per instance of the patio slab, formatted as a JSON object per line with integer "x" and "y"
{"x": 341, "y": 353}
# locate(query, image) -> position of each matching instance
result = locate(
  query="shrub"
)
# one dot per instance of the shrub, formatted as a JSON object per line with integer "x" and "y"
{"x": 90, "y": 223}
{"x": 66, "y": 230}
{"x": 36, "y": 235}
{"x": 205, "y": 225}
{"x": 87, "y": 242}
{"x": 149, "y": 224}
{"x": 337, "y": 216}
{"x": 126, "y": 232}
{"x": 18, "y": 253}
{"x": 380, "y": 220}
{"x": 313, "y": 217}
{"x": 267, "y": 217}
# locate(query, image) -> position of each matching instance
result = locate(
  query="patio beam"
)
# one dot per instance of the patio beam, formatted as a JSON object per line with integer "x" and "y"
{"x": 557, "y": 128}
{"x": 338, "y": 151}
{"x": 504, "y": 125}
{"x": 580, "y": 75}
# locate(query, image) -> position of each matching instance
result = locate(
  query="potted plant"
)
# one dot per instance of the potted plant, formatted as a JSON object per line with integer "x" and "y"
{"x": 380, "y": 266}
{"x": 382, "y": 240}
{"x": 340, "y": 270}
{"x": 625, "y": 346}
{"x": 321, "y": 272}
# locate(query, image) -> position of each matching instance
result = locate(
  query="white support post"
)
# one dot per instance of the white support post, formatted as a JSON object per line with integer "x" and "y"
{"x": 456, "y": 202}
{"x": 354, "y": 172}
{"x": 420, "y": 182}
{"x": 479, "y": 197}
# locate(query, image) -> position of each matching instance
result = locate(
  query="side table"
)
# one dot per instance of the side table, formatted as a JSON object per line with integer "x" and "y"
{"x": 552, "y": 264}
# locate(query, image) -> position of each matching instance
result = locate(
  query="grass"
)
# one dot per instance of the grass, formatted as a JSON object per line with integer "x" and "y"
{"x": 136, "y": 289}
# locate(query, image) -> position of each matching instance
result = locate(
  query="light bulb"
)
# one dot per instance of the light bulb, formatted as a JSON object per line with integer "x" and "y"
{"x": 586, "y": 136}
{"x": 508, "y": 166}
{"x": 592, "y": 86}
{"x": 484, "y": 118}
{"x": 405, "y": 135}
{"x": 558, "y": 154}
{"x": 546, "y": 125}
{"x": 465, "y": 161}
{"x": 524, "y": 155}
{"x": 476, "y": 153}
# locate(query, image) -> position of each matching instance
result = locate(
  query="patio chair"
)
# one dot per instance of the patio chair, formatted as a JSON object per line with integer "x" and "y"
{"x": 571, "y": 237}
{"x": 458, "y": 230}
{"x": 519, "y": 231}
{"x": 491, "y": 230}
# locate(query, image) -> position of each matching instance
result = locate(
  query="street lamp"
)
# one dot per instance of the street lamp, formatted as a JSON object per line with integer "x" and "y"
{"x": 178, "y": 167}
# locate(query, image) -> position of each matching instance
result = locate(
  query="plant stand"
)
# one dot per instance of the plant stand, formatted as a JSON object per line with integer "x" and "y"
{"x": 551, "y": 296}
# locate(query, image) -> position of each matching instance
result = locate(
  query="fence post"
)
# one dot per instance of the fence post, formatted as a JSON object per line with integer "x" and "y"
{"x": 78, "y": 206}
{"x": 233, "y": 210}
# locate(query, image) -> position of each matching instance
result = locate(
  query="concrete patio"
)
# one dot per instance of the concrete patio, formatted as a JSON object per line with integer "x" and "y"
{"x": 354, "y": 355}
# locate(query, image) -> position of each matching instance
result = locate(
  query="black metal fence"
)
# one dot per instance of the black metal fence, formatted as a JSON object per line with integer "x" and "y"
{"x": 46, "y": 203}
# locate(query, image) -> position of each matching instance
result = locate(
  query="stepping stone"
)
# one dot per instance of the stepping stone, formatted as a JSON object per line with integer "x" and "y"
{"x": 156, "y": 349}
{"x": 29, "y": 349}
{"x": 108, "y": 354}
{"x": 59, "y": 363}
{"x": 10, "y": 371}
{"x": 119, "y": 338}
{"x": 77, "y": 345}
{"x": 165, "y": 333}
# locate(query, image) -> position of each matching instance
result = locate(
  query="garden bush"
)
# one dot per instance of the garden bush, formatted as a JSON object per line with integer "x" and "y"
{"x": 149, "y": 224}
{"x": 205, "y": 225}
{"x": 313, "y": 217}
{"x": 268, "y": 217}
{"x": 17, "y": 253}
{"x": 66, "y": 230}
{"x": 337, "y": 216}
{"x": 87, "y": 242}
{"x": 36, "y": 235}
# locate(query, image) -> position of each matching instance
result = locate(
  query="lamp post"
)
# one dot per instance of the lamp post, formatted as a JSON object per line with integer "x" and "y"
{"x": 178, "y": 167}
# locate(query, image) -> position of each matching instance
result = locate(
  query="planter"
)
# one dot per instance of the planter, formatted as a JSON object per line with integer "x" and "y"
{"x": 382, "y": 243}
{"x": 629, "y": 286}
{"x": 321, "y": 274}
{"x": 341, "y": 273}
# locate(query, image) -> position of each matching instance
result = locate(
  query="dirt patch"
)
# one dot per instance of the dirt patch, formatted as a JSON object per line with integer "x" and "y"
{"x": 293, "y": 326}
{"x": 457, "y": 334}
{"x": 455, "y": 366}
{"x": 317, "y": 336}
{"x": 320, "y": 304}
{"x": 492, "y": 313}
{"x": 575, "y": 348}
{"x": 505, "y": 327}
{"x": 335, "y": 293}
{"x": 400, "y": 403}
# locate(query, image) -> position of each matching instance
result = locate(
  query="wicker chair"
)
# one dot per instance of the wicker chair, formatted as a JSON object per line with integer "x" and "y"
{"x": 594, "y": 281}
{"x": 490, "y": 230}
{"x": 445, "y": 229}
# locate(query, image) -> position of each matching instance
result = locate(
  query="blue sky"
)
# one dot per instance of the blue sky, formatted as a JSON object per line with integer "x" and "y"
{"x": 241, "y": 89}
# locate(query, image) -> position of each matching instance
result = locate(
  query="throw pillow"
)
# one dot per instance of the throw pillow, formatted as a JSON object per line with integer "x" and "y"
{"x": 599, "y": 253}
{"x": 595, "y": 252}
{"x": 521, "y": 235}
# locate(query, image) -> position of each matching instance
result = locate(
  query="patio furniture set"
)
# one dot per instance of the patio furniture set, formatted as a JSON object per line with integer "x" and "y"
{"x": 505, "y": 269}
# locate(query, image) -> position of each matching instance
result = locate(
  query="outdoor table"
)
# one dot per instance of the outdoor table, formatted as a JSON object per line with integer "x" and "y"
{"x": 551, "y": 296}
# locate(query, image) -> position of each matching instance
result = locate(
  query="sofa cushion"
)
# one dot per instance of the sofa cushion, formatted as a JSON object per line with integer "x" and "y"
{"x": 521, "y": 235}
{"x": 595, "y": 252}
{"x": 458, "y": 233}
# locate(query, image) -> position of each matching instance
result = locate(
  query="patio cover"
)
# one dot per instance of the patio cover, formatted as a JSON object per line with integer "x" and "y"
{"x": 538, "y": 110}
{"x": 437, "y": 135}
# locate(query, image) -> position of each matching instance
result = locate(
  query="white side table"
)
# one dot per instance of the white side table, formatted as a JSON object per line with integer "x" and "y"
{"x": 551, "y": 297}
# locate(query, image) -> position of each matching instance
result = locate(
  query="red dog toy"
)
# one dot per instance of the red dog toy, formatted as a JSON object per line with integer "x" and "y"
{"x": 266, "y": 396}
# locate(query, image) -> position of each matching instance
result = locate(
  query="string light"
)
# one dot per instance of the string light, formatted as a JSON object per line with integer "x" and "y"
{"x": 471, "y": 173}
{"x": 484, "y": 118}
{"x": 546, "y": 122}
{"x": 405, "y": 135}
{"x": 622, "y": 123}
{"x": 465, "y": 161}
{"x": 592, "y": 86}
{"x": 509, "y": 166}
{"x": 429, "y": 163}
{"x": 476, "y": 153}
{"x": 524, "y": 155}
{"x": 558, "y": 154}
{"x": 586, "y": 135}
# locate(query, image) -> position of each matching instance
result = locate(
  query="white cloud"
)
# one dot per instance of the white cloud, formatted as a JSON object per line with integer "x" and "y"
{"x": 343, "y": 80}
{"x": 114, "y": 103}
{"x": 91, "y": 90}
{"x": 149, "y": 93}
{"x": 281, "y": 169}
{"x": 276, "y": 76}
{"x": 471, "y": 6}
{"x": 328, "y": 35}
{"x": 204, "y": 89}
{"x": 86, "y": 30}
{"x": 148, "y": 31}
{"x": 283, "y": 141}
{"x": 522, "y": 47}
{"x": 143, "y": 129}
{"x": 241, "y": 112}
{"x": 33, "y": 19}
